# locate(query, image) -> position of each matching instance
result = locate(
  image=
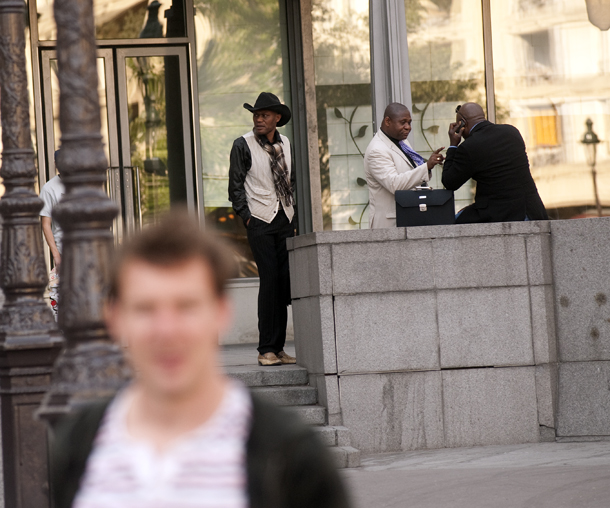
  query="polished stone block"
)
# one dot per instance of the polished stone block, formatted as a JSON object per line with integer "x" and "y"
{"x": 310, "y": 271}
{"x": 581, "y": 253}
{"x": 485, "y": 327}
{"x": 539, "y": 262}
{"x": 490, "y": 406}
{"x": 392, "y": 412}
{"x": 315, "y": 332}
{"x": 479, "y": 262}
{"x": 542, "y": 300}
{"x": 546, "y": 394}
{"x": 381, "y": 267}
{"x": 386, "y": 331}
{"x": 328, "y": 395}
{"x": 584, "y": 400}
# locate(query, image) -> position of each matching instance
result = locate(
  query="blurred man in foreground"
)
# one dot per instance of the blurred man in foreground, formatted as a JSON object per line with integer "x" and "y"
{"x": 183, "y": 434}
{"x": 494, "y": 156}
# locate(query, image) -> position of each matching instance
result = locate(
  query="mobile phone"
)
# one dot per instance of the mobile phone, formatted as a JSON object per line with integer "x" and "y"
{"x": 459, "y": 127}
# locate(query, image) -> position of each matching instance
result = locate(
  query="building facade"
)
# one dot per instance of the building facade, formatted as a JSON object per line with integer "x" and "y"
{"x": 173, "y": 75}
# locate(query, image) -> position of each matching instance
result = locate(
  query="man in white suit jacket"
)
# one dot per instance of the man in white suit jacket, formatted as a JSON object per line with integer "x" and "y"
{"x": 389, "y": 167}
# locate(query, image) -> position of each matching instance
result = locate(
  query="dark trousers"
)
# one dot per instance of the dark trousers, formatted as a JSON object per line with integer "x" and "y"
{"x": 268, "y": 244}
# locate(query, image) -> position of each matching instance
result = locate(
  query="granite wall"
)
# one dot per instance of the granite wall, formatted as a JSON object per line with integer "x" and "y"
{"x": 445, "y": 336}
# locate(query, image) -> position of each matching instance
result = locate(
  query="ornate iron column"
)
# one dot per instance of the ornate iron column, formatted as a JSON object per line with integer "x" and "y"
{"x": 90, "y": 366}
{"x": 29, "y": 339}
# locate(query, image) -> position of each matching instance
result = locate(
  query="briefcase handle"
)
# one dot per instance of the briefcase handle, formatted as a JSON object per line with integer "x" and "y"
{"x": 423, "y": 186}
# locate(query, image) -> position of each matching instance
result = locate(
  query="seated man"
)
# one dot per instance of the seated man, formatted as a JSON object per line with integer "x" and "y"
{"x": 494, "y": 156}
{"x": 183, "y": 434}
{"x": 390, "y": 164}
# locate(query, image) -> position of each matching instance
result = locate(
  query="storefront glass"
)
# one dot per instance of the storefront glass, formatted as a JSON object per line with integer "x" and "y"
{"x": 123, "y": 19}
{"x": 446, "y": 65}
{"x": 343, "y": 95}
{"x": 552, "y": 73}
{"x": 241, "y": 51}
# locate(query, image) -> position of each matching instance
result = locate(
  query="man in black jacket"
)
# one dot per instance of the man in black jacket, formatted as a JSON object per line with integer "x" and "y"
{"x": 494, "y": 156}
{"x": 261, "y": 188}
{"x": 182, "y": 434}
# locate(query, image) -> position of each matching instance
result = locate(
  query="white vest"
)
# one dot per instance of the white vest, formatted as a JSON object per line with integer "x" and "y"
{"x": 263, "y": 201}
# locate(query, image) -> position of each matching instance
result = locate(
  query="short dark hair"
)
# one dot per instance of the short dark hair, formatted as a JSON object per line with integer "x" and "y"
{"x": 175, "y": 239}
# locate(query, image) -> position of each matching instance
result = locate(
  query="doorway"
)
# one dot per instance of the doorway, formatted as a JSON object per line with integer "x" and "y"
{"x": 145, "y": 126}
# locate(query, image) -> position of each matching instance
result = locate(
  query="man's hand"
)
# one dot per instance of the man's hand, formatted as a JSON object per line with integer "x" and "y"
{"x": 48, "y": 236}
{"x": 455, "y": 133}
{"x": 248, "y": 222}
{"x": 435, "y": 158}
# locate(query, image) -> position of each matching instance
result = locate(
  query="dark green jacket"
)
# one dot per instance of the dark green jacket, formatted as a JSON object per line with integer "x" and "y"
{"x": 287, "y": 465}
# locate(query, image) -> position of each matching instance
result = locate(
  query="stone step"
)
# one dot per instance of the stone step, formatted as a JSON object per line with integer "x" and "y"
{"x": 345, "y": 456}
{"x": 333, "y": 436}
{"x": 284, "y": 375}
{"x": 287, "y": 395}
{"x": 311, "y": 415}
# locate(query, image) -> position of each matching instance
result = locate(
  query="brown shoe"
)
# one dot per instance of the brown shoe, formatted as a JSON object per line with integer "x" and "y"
{"x": 268, "y": 359}
{"x": 285, "y": 358}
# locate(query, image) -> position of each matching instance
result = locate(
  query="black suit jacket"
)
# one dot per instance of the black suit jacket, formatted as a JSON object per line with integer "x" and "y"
{"x": 494, "y": 156}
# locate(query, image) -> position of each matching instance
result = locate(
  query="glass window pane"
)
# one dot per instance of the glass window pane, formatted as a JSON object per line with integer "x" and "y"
{"x": 123, "y": 19}
{"x": 241, "y": 51}
{"x": 156, "y": 153}
{"x": 551, "y": 71}
{"x": 101, "y": 72}
{"x": 345, "y": 116}
{"x": 446, "y": 64}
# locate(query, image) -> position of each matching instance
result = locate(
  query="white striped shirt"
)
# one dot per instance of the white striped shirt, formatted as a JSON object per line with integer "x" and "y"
{"x": 205, "y": 468}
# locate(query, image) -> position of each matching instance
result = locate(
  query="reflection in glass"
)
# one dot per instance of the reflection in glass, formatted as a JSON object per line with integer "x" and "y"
{"x": 241, "y": 51}
{"x": 101, "y": 72}
{"x": 343, "y": 95}
{"x": 123, "y": 19}
{"x": 155, "y": 135}
{"x": 551, "y": 72}
{"x": 446, "y": 65}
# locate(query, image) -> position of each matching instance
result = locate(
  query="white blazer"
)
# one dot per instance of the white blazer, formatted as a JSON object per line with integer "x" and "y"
{"x": 387, "y": 170}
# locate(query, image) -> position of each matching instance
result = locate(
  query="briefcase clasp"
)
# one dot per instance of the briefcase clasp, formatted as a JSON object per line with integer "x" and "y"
{"x": 423, "y": 207}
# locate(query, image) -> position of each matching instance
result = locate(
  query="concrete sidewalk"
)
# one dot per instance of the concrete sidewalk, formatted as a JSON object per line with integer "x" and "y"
{"x": 553, "y": 475}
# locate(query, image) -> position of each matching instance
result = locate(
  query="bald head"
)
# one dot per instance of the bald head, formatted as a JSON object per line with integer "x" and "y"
{"x": 395, "y": 110}
{"x": 468, "y": 115}
{"x": 472, "y": 111}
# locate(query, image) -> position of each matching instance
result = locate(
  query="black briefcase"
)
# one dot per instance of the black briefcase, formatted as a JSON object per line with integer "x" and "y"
{"x": 424, "y": 206}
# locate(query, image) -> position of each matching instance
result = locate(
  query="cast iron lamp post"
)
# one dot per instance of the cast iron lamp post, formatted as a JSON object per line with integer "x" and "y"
{"x": 91, "y": 366}
{"x": 29, "y": 339}
{"x": 590, "y": 140}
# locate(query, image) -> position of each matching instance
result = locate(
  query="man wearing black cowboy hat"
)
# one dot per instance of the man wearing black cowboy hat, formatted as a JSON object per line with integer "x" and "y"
{"x": 261, "y": 188}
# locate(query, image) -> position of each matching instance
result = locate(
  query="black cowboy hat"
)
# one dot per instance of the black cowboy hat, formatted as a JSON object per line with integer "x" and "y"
{"x": 270, "y": 102}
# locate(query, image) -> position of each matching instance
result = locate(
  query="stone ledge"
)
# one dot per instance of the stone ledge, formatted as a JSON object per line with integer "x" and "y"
{"x": 419, "y": 233}
{"x": 350, "y": 236}
{"x": 489, "y": 229}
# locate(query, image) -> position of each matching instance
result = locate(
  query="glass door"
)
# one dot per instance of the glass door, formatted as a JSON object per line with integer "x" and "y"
{"x": 156, "y": 149}
{"x": 106, "y": 87}
{"x": 144, "y": 107}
